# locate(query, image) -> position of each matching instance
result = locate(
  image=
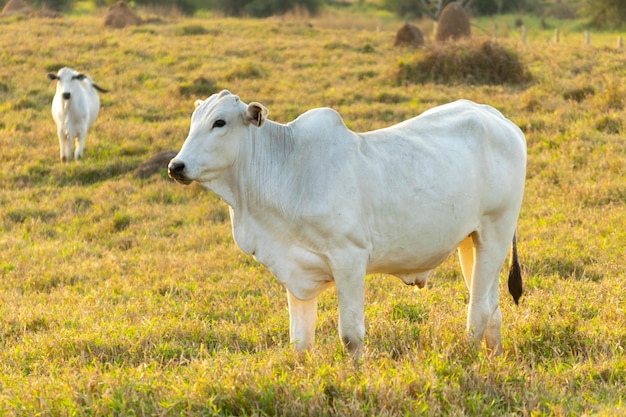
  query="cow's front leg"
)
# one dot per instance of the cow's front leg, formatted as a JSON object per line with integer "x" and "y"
{"x": 351, "y": 294}
{"x": 64, "y": 145}
{"x": 302, "y": 319}
{"x": 80, "y": 144}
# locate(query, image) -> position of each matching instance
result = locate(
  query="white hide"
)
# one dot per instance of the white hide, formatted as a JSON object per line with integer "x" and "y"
{"x": 319, "y": 204}
{"x": 75, "y": 107}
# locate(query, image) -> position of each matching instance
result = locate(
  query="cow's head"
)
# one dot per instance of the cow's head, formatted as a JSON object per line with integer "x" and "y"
{"x": 66, "y": 77}
{"x": 218, "y": 125}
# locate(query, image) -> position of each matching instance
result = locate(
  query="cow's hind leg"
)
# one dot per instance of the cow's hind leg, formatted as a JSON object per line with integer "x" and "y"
{"x": 466, "y": 256}
{"x": 484, "y": 317}
{"x": 302, "y": 319}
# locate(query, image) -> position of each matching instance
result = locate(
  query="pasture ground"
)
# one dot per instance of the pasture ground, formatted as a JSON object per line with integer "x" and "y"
{"x": 127, "y": 296}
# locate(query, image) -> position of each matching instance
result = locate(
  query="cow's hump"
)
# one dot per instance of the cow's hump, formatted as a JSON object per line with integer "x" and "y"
{"x": 323, "y": 119}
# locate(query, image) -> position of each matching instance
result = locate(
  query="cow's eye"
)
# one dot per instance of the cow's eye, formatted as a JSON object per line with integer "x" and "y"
{"x": 219, "y": 123}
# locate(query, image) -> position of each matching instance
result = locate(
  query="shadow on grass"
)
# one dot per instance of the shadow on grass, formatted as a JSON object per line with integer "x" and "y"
{"x": 561, "y": 337}
{"x": 72, "y": 174}
{"x": 565, "y": 268}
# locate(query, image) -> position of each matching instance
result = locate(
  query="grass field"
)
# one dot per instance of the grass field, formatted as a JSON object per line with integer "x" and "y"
{"x": 127, "y": 296}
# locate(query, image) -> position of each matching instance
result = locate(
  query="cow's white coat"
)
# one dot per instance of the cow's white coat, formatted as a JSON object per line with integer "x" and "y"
{"x": 75, "y": 107}
{"x": 319, "y": 204}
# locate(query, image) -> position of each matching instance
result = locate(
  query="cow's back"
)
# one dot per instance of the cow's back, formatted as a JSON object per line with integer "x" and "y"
{"x": 428, "y": 182}
{"x": 424, "y": 162}
{"x": 472, "y": 141}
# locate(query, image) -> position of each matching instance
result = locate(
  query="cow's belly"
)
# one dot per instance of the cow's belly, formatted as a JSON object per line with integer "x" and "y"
{"x": 410, "y": 266}
{"x": 400, "y": 243}
{"x": 418, "y": 244}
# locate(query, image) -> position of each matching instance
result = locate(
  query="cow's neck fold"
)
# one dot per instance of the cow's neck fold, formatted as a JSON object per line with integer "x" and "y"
{"x": 260, "y": 167}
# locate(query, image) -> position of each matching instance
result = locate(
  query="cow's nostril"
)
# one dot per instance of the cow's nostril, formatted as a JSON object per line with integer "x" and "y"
{"x": 175, "y": 168}
{"x": 66, "y": 96}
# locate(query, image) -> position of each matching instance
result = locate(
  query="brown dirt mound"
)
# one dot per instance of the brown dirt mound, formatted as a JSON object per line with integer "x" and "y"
{"x": 14, "y": 7}
{"x": 120, "y": 15}
{"x": 154, "y": 164}
{"x": 453, "y": 23}
{"x": 409, "y": 35}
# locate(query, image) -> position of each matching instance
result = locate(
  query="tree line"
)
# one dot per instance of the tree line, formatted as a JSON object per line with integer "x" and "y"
{"x": 600, "y": 14}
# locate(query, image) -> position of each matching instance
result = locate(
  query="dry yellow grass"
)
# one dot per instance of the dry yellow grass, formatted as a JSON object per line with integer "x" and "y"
{"x": 127, "y": 296}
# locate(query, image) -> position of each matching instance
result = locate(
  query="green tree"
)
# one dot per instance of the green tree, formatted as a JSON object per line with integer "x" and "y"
{"x": 605, "y": 14}
{"x": 416, "y": 8}
{"x": 263, "y": 8}
{"x": 185, "y": 6}
{"x": 188, "y": 7}
{"x": 490, "y": 7}
{"x": 58, "y": 5}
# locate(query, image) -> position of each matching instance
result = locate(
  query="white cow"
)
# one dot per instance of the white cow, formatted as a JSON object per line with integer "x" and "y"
{"x": 75, "y": 107}
{"x": 319, "y": 204}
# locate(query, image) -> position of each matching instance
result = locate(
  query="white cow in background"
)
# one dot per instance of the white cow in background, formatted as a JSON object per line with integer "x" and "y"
{"x": 319, "y": 204}
{"x": 75, "y": 107}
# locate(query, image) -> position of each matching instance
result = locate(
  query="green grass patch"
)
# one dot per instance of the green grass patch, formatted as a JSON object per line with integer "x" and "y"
{"x": 123, "y": 295}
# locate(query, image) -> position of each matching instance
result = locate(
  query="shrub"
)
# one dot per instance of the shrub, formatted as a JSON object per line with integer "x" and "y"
{"x": 464, "y": 61}
{"x": 191, "y": 30}
{"x": 200, "y": 87}
{"x": 579, "y": 94}
{"x": 187, "y": 7}
{"x": 246, "y": 70}
{"x": 609, "y": 125}
{"x": 263, "y": 8}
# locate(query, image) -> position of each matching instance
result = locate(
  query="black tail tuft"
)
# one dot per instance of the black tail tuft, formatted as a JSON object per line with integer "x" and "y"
{"x": 97, "y": 87}
{"x": 515, "y": 274}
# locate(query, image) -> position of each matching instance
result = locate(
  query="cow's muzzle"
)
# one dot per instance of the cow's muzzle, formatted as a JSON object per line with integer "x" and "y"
{"x": 176, "y": 169}
{"x": 66, "y": 96}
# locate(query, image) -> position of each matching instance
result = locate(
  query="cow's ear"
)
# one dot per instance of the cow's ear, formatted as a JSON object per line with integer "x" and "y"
{"x": 52, "y": 76}
{"x": 197, "y": 103}
{"x": 256, "y": 114}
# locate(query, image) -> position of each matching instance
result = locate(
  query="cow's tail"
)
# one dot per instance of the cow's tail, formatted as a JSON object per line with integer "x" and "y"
{"x": 97, "y": 87}
{"x": 515, "y": 273}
